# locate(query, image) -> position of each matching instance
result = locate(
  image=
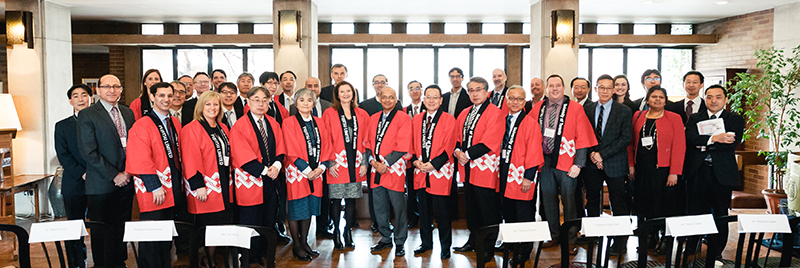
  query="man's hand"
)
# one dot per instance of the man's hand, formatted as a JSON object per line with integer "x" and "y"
{"x": 272, "y": 172}
{"x": 317, "y": 173}
{"x": 121, "y": 179}
{"x": 526, "y": 186}
{"x": 379, "y": 167}
{"x": 334, "y": 171}
{"x": 574, "y": 171}
{"x": 159, "y": 196}
{"x": 462, "y": 157}
{"x": 723, "y": 138}
{"x": 427, "y": 167}
{"x": 672, "y": 180}
{"x": 202, "y": 194}
{"x": 596, "y": 158}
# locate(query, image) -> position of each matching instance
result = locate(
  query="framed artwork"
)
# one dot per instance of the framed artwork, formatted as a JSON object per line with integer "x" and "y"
{"x": 92, "y": 83}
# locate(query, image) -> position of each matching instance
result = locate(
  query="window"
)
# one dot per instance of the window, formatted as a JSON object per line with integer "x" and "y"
{"x": 380, "y": 28}
{"x": 607, "y": 29}
{"x": 604, "y": 61}
{"x": 674, "y": 64}
{"x": 639, "y": 60}
{"x": 159, "y": 59}
{"x": 260, "y": 60}
{"x": 493, "y": 28}
{"x": 189, "y": 29}
{"x": 681, "y": 29}
{"x": 644, "y": 29}
{"x": 455, "y": 28}
{"x": 191, "y": 61}
{"x": 262, "y": 28}
{"x": 418, "y": 28}
{"x": 449, "y": 58}
{"x": 417, "y": 65}
{"x": 343, "y": 28}
{"x": 353, "y": 59}
{"x": 485, "y": 60}
{"x": 229, "y": 60}
{"x": 153, "y": 29}
{"x": 583, "y": 63}
{"x": 526, "y": 72}
{"x": 385, "y": 61}
{"x": 526, "y": 28}
{"x": 228, "y": 29}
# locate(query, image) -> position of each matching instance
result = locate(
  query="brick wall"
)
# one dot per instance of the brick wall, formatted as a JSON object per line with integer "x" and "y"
{"x": 89, "y": 65}
{"x": 116, "y": 65}
{"x": 739, "y": 38}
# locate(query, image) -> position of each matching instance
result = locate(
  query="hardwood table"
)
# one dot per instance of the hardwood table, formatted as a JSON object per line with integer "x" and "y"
{"x": 18, "y": 184}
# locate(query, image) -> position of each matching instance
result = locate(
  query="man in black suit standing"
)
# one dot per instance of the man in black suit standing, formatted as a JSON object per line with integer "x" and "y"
{"x": 416, "y": 107}
{"x": 338, "y": 74}
{"x": 372, "y": 105}
{"x": 693, "y": 103}
{"x": 202, "y": 83}
{"x": 609, "y": 159}
{"x": 711, "y": 171}
{"x": 69, "y": 156}
{"x": 457, "y": 92}
{"x": 102, "y": 134}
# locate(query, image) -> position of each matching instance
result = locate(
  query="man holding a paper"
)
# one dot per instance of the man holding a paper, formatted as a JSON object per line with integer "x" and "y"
{"x": 711, "y": 162}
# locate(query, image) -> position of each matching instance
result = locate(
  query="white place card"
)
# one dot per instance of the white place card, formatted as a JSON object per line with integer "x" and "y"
{"x": 764, "y": 223}
{"x": 57, "y": 231}
{"x": 524, "y": 232}
{"x": 691, "y": 225}
{"x": 606, "y": 226}
{"x": 229, "y": 235}
{"x": 149, "y": 231}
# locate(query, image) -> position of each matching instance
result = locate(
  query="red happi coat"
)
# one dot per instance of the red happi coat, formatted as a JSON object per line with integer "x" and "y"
{"x": 282, "y": 110}
{"x": 244, "y": 148}
{"x": 146, "y": 155}
{"x": 397, "y": 138}
{"x": 443, "y": 142}
{"x": 136, "y": 107}
{"x": 199, "y": 155}
{"x": 296, "y": 148}
{"x": 483, "y": 171}
{"x": 526, "y": 154}
{"x": 334, "y": 125}
{"x": 577, "y": 134}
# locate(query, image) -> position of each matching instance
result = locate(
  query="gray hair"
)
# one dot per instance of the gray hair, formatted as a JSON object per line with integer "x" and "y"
{"x": 517, "y": 87}
{"x": 243, "y": 75}
{"x": 303, "y": 92}
{"x": 480, "y": 80}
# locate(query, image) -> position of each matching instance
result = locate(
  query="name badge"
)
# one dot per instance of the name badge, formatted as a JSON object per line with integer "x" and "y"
{"x": 647, "y": 141}
{"x": 549, "y": 132}
{"x": 227, "y": 160}
{"x": 124, "y": 142}
{"x": 505, "y": 153}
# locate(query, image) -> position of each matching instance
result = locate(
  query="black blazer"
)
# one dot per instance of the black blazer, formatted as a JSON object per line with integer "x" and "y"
{"x": 326, "y": 93}
{"x": 722, "y": 155}
{"x": 409, "y": 110}
{"x": 69, "y": 156}
{"x": 101, "y": 147}
{"x": 187, "y": 111}
{"x": 679, "y": 108}
{"x": 322, "y": 103}
{"x": 238, "y": 110}
{"x": 462, "y": 103}
{"x": 372, "y": 106}
{"x": 616, "y": 138}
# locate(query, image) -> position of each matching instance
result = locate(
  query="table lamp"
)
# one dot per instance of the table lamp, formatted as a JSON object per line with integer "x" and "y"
{"x": 9, "y": 125}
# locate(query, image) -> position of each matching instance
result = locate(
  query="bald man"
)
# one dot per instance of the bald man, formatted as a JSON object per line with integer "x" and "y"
{"x": 537, "y": 92}
{"x": 498, "y": 94}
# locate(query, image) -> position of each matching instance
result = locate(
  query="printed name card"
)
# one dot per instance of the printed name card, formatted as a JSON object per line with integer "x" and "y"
{"x": 764, "y": 223}
{"x": 524, "y": 232}
{"x": 229, "y": 235}
{"x": 149, "y": 231}
{"x": 57, "y": 231}
{"x": 607, "y": 226}
{"x": 691, "y": 225}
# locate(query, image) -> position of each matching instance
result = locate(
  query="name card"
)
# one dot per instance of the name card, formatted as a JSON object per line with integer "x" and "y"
{"x": 149, "y": 231}
{"x": 691, "y": 225}
{"x": 764, "y": 223}
{"x": 524, "y": 232}
{"x": 57, "y": 231}
{"x": 229, "y": 235}
{"x": 607, "y": 226}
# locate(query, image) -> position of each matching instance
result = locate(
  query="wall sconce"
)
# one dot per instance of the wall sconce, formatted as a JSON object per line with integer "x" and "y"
{"x": 288, "y": 27}
{"x": 19, "y": 28}
{"x": 563, "y": 31}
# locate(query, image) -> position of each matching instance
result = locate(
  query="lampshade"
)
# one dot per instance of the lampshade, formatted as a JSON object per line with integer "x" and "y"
{"x": 19, "y": 28}
{"x": 8, "y": 114}
{"x": 288, "y": 27}
{"x": 563, "y": 27}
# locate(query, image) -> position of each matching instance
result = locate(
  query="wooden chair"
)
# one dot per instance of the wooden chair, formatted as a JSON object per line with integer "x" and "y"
{"x": 22, "y": 239}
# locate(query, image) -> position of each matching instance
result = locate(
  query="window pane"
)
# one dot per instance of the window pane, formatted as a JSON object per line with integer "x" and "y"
{"x": 230, "y": 61}
{"x": 455, "y": 28}
{"x": 604, "y": 61}
{"x": 607, "y": 29}
{"x": 526, "y": 28}
{"x": 191, "y": 61}
{"x": 674, "y": 64}
{"x": 343, "y": 28}
{"x": 159, "y": 59}
{"x": 418, "y": 28}
{"x": 583, "y": 63}
{"x": 152, "y": 29}
{"x": 493, "y": 28}
{"x": 644, "y": 29}
{"x": 260, "y": 60}
{"x": 228, "y": 29}
{"x": 383, "y": 61}
{"x": 353, "y": 59}
{"x": 526, "y": 72}
{"x": 639, "y": 60}
{"x": 485, "y": 60}
{"x": 449, "y": 58}
{"x": 380, "y": 28}
{"x": 189, "y": 29}
{"x": 680, "y": 29}
{"x": 417, "y": 65}
{"x": 262, "y": 28}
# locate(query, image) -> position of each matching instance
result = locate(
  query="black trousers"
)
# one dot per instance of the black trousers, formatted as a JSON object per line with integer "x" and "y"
{"x": 114, "y": 209}
{"x": 709, "y": 196}
{"x": 280, "y": 184}
{"x": 594, "y": 192}
{"x": 75, "y": 207}
{"x": 263, "y": 214}
{"x": 324, "y": 219}
{"x": 156, "y": 254}
{"x": 520, "y": 211}
{"x": 438, "y": 205}
{"x": 411, "y": 198}
{"x": 483, "y": 209}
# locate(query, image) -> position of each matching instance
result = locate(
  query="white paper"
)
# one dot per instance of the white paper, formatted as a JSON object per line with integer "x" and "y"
{"x": 606, "y": 226}
{"x": 691, "y": 225}
{"x": 57, "y": 231}
{"x": 149, "y": 231}
{"x": 229, "y": 235}
{"x": 524, "y": 232}
{"x": 647, "y": 141}
{"x": 763, "y": 223}
{"x": 549, "y": 132}
{"x": 711, "y": 127}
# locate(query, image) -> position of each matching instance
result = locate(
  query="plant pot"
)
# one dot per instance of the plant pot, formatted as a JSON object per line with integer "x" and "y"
{"x": 773, "y": 199}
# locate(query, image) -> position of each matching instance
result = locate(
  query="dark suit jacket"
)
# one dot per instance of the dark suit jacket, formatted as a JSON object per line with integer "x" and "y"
{"x": 372, "y": 106}
{"x": 238, "y": 110}
{"x": 680, "y": 108}
{"x": 187, "y": 111}
{"x": 408, "y": 108}
{"x": 616, "y": 138}
{"x": 462, "y": 103}
{"x": 322, "y": 103}
{"x": 326, "y": 93}
{"x": 69, "y": 155}
{"x": 101, "y": 147}
{"x": 722, "y": 155}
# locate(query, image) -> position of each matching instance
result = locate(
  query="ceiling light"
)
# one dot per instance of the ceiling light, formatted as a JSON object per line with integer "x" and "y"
{"x": 647, "y": 2}
{"x": 722, "y": 2}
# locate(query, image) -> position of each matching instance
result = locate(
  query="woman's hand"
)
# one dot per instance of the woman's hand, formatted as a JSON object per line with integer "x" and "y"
{"x": 631, "y": 173}
{"x": 672, "y": 180}
{"x": 202, "y": 194}
{"x": 334, "y": 171}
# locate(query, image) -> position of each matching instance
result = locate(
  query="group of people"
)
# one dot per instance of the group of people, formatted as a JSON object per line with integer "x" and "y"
{"x": 211, "y": 152}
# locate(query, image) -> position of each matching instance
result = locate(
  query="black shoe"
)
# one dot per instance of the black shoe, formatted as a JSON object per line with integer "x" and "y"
{"x": 582, "y": 240}
{"x": 488, "y": 258}
{"x": 422, "y": 249}
{"x": 412, "y": 225}
{"x": 304, "y": 257}
{"x": 374, "y": 228}
{"x": 281, "y": 228}
{"x": 313, "y": 253}
{"x": 466, "y": 248}
{"x": 283, "y": 239}
{"x": 380, "y": 246}
{"x": 399, "y": 251}
{"x": 500, "y": 248}
{"x": 445, "y": 255}
{"x": 348, "y": 238}
{"x": 617, "y": 249}
{"x": 337, "y": 240}
{"x": 325, "y": 234}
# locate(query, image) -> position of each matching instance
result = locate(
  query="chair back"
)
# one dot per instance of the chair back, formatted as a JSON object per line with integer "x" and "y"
{"x": 22, "y": 239}
{"x": 481, "y": 243}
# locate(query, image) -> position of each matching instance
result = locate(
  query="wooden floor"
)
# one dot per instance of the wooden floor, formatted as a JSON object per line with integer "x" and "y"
{"x": 361, "y": 256}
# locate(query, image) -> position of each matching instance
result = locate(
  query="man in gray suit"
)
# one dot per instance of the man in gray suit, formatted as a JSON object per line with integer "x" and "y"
{"x": 102, "y": 134}
{"x": 609, "y": 159}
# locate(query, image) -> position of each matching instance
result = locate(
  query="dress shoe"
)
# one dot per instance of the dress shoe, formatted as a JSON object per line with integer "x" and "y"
{"x": 617, "y": 249}
{"x": 582, "y": 240}
{"x": 374, "y": 228}
{"x": 399, "y": 250}
{"x": 412, "y": 225}
{"x": 500, "y": 248}
{"x": 573, "y": 250}
{"x": 488, "y": 257}
{"x": 303, "y": 256}
{"x": 380, "y": 246}
{"x": 518, "y": 260}
{"x": 283, "y": 239}
{"x": 348, "y": 238}
{"x": 465, "y": 248}
{"x": 255, "y": 265}
{"x": 550, "y": 244}
{"x": 313, "y": 253}
{"x": 337, "y": 240}
{"x": 422, "y": 249}
{"x": 445, "y": 255}
{"x": 325, "y": 234}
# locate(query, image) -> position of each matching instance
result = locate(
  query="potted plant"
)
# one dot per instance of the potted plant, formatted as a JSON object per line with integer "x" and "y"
{"x": 768, "y": 102}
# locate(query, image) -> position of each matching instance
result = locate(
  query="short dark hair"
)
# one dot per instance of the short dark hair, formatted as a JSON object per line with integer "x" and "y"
{"x": 266, "y": 76}
{"x": 228, "y": 85}
{"x": 649, "y": 72}
{"x": 434, "y": 86}
{"x": 414, "y": 81}
{"x": 460, "y": 72}
{"x": 588, "y": 83}
{"x": 154, "y": 88}
{"x": 185, "y": 75}
{"x": 605, "y": 77}
{"x": 480, "y": 80}
{"x": 698, "y": 74}
{"x": 200, "y": 73}
{"x": 376, "y": 76}
{"x": 551, "y": 76}
{"x": 219, "y": 71}
{"x": 715, "y": 86}
{"x": 288, "y": 72}
{"x": 654, "y": 89}
{"x": 339, "y": 65}
{"x": 78, "y": 86}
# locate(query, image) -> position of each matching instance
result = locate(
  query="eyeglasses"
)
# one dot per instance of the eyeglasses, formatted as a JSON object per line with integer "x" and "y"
{"x": 432, "y": 98}
{"x": 180, "y": 92}
{"x": 260, "y": 101}
{"x": 470, "y": 91}
{"x": 652, "y": 79}
{"x": 379, "y": 83}
{"x": 515, "y": 99}
{"x": 202, "y": 82}
{"x": 414, "y": 88}
{"x": 605, "y": 88}
{"x": 228, "y": 92}
{"x": 456, "y": 76}
{"x": 107, "y": 87}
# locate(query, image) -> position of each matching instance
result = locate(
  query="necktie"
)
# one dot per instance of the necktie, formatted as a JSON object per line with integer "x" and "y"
{"x": 263, "y": 132}
{"x": 231, "y": 117}
{"x": 428, "y": 125}
{"x": 689, "y": 109}
{"x": 314, "y": 111}
{"x": 713, "y": 116}
{"x": 311, "y": 133}
{"x": 166, "y": 124}
{"x": 708, "y": 156}
{"x": 416, "y": 110}
{"x": 551, "y": 124}
{"x": 599, "y": 128}
{"x": 118, "y": 123}
{"x": 508, "y": 130}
